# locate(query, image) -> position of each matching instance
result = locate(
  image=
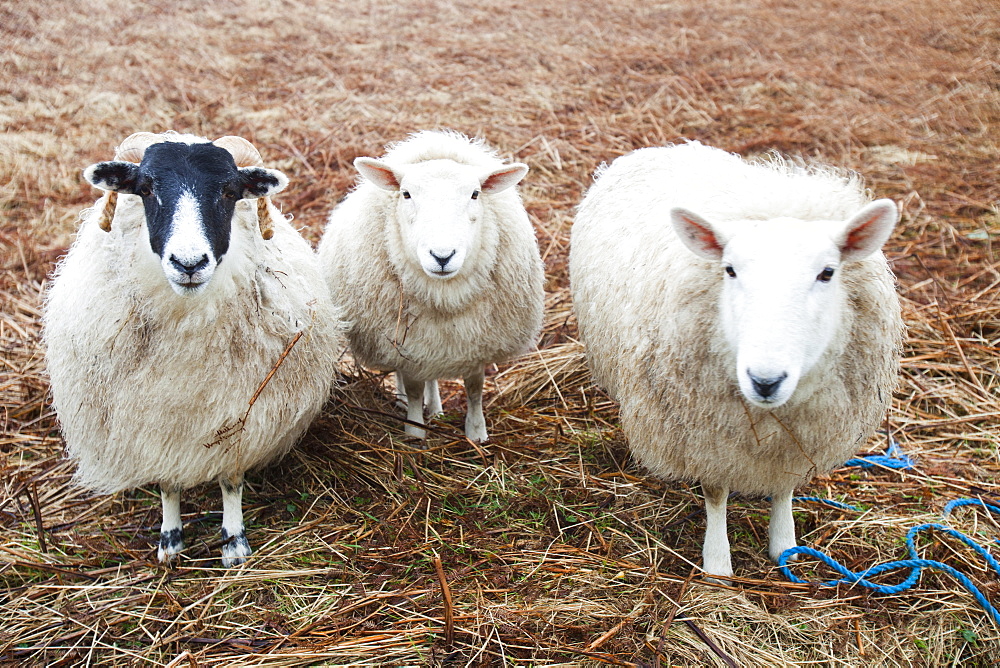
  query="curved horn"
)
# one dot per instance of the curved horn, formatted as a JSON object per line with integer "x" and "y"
{"x": 243, "y": 152}
{"x": 135, "y": 145}
{"x": 246, "y": 154}
{"x": 130, "y": 150}
{"x": 108, "y": 210}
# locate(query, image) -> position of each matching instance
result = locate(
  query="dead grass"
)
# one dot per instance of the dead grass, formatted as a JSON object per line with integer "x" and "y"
{"x": 547, "y": 545}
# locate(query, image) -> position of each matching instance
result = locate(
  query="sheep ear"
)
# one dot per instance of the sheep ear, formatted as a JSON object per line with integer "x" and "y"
{"x": 262, "y": 182}
{"x": 697, "y": 234}
{"x": 379, "y": 173}
{"x": 505, "y": 177}
{"x": 117, "y": 176}
{"x": 867, "y": 230}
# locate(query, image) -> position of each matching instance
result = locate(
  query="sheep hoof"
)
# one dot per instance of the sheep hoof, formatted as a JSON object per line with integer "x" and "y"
{"x": 720, "y": 579}
{"x": 415, "y": 432}
{"x": 171, "y": 542}
{"x": 718, "y": 570}
{"x": 475, "y": 430}
{"x": 235, "y": 549}
{"x": 776, "y": 552}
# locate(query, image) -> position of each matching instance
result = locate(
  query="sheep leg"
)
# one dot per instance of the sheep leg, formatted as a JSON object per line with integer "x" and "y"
{"x": 781, "y": 529}
{"x": 414, "y": 404}
{"x": 433, "y": 398}
{"x": 715, "y": 552}
{"x": 171, "y": 530}
{"x": 235, "y": 547}
{"x": 475, "y": 423}
{"x": 401, "y": 400}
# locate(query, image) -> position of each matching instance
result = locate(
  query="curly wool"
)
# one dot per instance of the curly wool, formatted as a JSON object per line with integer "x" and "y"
{"x": 648, "y": 313}
{"x": 151, "y": 387}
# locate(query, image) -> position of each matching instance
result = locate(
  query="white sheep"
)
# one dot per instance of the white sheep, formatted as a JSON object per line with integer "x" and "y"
{"x": 751, "y": 345}
{"x": 435, "y": 263}
{"x": 179, "y": 296}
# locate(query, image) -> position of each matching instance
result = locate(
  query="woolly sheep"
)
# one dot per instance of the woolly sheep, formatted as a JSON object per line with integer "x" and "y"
{"x": 435, "y": 263}
{"x": 743, "y": 316}
{"x": 178, "y": 297}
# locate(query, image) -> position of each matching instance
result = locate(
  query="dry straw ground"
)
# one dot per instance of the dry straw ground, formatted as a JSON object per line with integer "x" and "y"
{"x": 546, "y": 545}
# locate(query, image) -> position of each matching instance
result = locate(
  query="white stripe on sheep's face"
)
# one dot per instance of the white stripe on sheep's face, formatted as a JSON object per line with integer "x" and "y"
{"x": 189, "y": 193}
{"x": 438, "y": 207}
{"x": 782, "y": 295}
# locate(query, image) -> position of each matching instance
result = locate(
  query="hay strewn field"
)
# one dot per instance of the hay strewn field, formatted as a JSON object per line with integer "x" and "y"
{"x": 547, "y": 545}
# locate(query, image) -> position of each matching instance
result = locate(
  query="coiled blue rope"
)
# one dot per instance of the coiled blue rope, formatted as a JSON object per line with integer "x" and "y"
{"x": 914, "y": 563}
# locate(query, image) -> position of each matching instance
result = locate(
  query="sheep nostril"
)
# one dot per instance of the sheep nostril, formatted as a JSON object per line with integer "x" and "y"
{"x": 765, "y": 387}
{"x": 189, "y": 266}
{"x": 442, "y": 260}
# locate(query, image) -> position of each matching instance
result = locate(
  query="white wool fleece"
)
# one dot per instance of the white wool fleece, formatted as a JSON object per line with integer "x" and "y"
{"x": 424, "y": 327}
{"x": 149, "y": 385}
{"x": 649, "y": 313}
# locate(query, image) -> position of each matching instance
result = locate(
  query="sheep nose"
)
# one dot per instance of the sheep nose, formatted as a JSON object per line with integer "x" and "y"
{"x": 189, "y": 266}
{"x": 765, "y": 387}
{"x": 442, "y": 260}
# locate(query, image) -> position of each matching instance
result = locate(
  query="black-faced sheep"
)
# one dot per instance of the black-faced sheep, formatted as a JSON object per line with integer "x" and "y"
{"x": 184, "y": 288}
{"x": 743, "y": 316}
{"x": 435, "y": 263}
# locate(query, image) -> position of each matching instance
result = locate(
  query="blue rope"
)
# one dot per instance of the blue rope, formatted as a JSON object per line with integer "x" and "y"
{"x": 892, "y": 459}
{"x": 914, "y": 563}
{"x": 828, "y": 502}
{"x": 951, "y": 505}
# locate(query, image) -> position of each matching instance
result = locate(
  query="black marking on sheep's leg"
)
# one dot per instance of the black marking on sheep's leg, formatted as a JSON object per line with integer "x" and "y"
{"x": 171, "y": 542}
{"x": 171, "y": 530}
{"x": 235, "y": 546}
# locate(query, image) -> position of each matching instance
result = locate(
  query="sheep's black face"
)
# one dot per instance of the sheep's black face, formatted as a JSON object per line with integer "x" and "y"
{"x": 189, "y": 193}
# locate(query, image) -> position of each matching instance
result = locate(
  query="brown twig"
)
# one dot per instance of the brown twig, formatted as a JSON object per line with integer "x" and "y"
{"x": 670, "y": 617}
{"x": 32, "y": 494}
{"x": 227, "y": 432}
{"x": 711, "y": 644}
{"x": 449, "y": 610}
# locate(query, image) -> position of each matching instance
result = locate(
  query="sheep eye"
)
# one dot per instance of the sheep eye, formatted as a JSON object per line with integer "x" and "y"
{"x": 229, "y": 194}
{"x": 475, "y": 194}
{"x": 406, "y": 194}
{"x": 730, "y": 271}
{"x": 825, "y": 275}
{"x": 144, "y": 191}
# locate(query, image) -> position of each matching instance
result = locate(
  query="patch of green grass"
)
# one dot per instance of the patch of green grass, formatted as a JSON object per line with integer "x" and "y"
{"x": 969, "y": 636}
